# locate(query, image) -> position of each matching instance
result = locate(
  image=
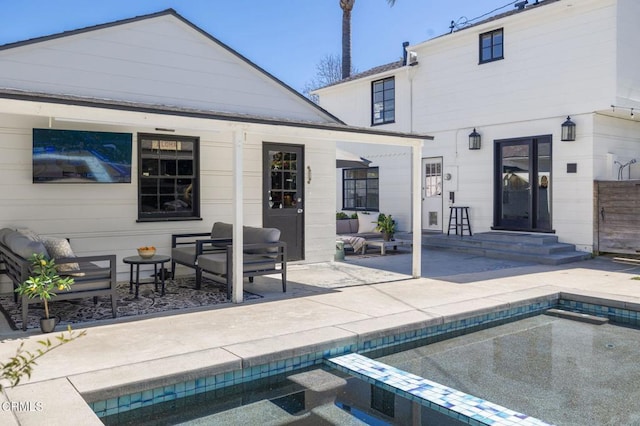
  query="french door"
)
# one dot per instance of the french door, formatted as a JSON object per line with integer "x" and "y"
{"x": 522, "y": 194}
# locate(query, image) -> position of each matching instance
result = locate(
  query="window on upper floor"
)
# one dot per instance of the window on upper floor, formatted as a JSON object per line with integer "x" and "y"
{"x": 360, "y": 189}
{"x": 383, "y": 105}
{"x": 168, "y": 177}
{"x": 491, "y": 46}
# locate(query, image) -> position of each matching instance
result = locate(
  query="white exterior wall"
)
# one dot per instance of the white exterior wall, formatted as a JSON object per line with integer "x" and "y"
{"x": 394, "y": 163}
{"x": 561, "y": 58}
{"x": 616, "y": 139}
{"x": 160, "y": 60}
{"x": 628, "y": 60}
{"x": 549, "y": 69}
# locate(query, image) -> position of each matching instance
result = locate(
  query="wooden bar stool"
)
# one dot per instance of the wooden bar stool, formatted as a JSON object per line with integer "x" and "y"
{"x": 459, "y": 220}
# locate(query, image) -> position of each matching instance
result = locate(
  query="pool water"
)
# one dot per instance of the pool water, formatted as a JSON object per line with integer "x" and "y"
{"x": 558, "y": 370}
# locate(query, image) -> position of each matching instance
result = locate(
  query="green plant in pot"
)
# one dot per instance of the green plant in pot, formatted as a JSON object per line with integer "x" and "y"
{"x": 43, "y": 284}
{"x": 387, "y": 225}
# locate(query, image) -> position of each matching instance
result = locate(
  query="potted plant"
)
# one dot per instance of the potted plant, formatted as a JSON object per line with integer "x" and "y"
{"x": 387, "y": 225}
{"x": 43, "y": 284}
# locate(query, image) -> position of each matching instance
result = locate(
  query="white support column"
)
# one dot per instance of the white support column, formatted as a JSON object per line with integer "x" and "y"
{"x": 237, "y": 289}
{"x": 416, "y": 191}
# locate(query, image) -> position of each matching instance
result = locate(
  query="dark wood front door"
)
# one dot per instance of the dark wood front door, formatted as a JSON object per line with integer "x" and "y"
{"x": 283, "y": 191}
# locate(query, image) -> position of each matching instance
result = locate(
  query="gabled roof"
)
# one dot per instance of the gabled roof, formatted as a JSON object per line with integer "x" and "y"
{"x": 299, "y": 105}
{"x": 373, "y": 71}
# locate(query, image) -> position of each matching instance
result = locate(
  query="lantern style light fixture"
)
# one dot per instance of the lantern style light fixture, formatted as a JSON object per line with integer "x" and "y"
{"x": 568, "y": 132}
{"x": 475, "y": 139}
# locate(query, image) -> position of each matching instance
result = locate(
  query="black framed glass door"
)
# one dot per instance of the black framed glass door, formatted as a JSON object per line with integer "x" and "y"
{"x": 523, "y": 184}
{"x": 283, "y": 188}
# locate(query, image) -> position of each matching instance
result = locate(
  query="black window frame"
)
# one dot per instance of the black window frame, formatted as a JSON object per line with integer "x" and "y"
{"x": 493, "y": 56}
{"x": 369, "y": 186}
{"x": 383, "y": 92}
{"x": 184, "y": 191}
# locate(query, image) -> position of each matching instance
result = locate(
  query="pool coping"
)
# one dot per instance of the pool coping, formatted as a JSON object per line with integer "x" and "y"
{"x": 247, "y": 361}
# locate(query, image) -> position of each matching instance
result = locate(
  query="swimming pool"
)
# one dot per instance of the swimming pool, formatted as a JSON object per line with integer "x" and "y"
{"x": 437, "y": 332}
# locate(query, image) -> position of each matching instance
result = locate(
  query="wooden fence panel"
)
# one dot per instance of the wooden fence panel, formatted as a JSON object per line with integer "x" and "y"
{"x": 617, "y": 206}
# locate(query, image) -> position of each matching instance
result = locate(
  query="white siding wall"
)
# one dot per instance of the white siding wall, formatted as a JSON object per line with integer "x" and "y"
{"x": 628, "y": 60}
{"x": 154, "y": 61}
{"x": 394, "y": 165}
{"x": 558, "y": 60}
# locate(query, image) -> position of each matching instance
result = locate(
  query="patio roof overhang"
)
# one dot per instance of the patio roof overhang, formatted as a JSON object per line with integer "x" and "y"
{"x": 162, "y": 117}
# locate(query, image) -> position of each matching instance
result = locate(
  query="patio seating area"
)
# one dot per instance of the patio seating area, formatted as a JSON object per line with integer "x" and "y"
{"x": 208, "y": 254}
{"x": 93, "y": 276}
{"x": 264, "y": 254}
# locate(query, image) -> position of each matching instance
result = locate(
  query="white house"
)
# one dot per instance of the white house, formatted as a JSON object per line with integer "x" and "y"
{"x": 191, "y": 133}
{"x": 514, "y": 79}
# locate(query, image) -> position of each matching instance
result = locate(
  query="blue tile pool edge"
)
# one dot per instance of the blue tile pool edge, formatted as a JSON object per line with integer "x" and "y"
{"x": 145, "y": 398}
{"x": 446, "y": 400}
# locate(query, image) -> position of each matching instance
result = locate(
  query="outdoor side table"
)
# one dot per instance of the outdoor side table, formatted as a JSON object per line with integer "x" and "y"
{"x": 136, "y": 261}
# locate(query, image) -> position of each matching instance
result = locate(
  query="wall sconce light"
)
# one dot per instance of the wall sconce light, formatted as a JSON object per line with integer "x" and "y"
{"x": 475, "y": 140}
{"x": 568, "y": 132}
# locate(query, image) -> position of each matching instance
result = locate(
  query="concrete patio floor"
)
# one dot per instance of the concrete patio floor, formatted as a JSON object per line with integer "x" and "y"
{"x": 325, "y": 303}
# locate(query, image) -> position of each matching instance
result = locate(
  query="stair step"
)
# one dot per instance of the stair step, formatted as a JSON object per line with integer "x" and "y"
{"x": 543, "y": 248}
{"x": 537, "y": 239}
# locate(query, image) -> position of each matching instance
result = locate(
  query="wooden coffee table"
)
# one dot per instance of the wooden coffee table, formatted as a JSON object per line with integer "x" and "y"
{"x": 136, "y": 261}
{"x": 385, "y": 245}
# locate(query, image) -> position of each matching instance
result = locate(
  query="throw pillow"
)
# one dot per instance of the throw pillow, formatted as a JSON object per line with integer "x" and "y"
{"x": 59, "y": 248}
{"x": 367, "y": 223}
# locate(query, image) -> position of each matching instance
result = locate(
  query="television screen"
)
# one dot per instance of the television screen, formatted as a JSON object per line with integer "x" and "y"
{"x": 71, "y": 156}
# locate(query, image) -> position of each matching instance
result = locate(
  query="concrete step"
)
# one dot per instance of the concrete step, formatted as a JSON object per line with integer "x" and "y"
{"x": 542, "y": 248}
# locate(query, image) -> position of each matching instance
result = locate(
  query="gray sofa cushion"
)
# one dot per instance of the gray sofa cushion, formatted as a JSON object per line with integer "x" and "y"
{"x": 346, "y": 226}
{"x": 4, "y": 232}
{"x": 251, "y": 235}
{"x": 24, "y": 247}
{"x": 217, "y": 263}
{"x": 184, "y": 254}
{"x": 222, "y": 230}
{"x": 260, "y": 236}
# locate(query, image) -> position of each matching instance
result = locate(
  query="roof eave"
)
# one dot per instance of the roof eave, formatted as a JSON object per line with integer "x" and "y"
{"x": 20, "y": 95}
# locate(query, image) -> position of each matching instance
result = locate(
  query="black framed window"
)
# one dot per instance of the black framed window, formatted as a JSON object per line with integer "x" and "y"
{"x": 491, "y": 46}
{"x": 360, "y": 189}
{"x": 168, "y": 177}
{"x": 383, "y": 107}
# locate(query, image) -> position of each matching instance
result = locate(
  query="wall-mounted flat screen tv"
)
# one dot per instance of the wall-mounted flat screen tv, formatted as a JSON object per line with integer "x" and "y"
{"x": 78, "y": 156}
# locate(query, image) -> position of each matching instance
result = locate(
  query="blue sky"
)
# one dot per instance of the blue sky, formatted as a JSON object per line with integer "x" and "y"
{"x": 285, "y": 37}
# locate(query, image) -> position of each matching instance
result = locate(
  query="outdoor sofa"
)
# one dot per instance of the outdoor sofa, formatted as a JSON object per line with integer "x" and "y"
{"x": 93, "y": 275}
{"x": 354, "y": 233}
{"x": 211, "y": 253}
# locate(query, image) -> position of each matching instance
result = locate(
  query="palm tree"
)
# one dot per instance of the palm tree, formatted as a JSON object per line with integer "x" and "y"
{"x": 347, "y": 7}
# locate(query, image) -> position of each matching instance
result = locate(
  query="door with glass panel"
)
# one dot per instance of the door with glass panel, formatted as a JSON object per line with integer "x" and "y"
{"x": 523, "y": 184}
{"x": 432, "y": 194}
{"x": 283, "y": 189}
